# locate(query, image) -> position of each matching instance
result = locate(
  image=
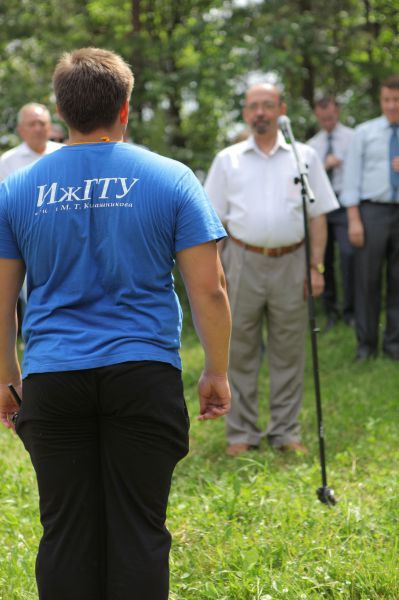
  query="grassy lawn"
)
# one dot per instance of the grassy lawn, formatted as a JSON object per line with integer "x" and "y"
{"x": 251, "y": 528}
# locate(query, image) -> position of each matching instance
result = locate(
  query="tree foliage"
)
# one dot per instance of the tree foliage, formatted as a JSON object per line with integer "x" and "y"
{"x": 193, "y": 59}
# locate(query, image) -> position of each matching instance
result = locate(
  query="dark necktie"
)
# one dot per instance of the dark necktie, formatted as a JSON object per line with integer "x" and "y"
{"x": 394, "y": 152}
{"x": 329, "y": 151}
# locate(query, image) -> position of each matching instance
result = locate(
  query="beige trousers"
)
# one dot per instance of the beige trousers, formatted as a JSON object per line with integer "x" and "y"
{"x": 271, "y": 288}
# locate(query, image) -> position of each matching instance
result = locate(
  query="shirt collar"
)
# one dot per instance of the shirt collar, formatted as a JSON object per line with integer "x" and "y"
{"x": 385, "y": 122}
{"x": 250, "y": 144}
{"x": 334, "y": 131}
{"x": 27, "y": 150}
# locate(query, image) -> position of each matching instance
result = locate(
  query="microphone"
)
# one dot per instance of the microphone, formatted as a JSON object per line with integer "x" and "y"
{"x": 284, "y": 124}
{"x": 283, "y": 121}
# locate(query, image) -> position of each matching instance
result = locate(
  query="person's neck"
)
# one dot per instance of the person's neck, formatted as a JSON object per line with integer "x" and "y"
{"x": 331, "y": 131}
{"x": 95, "y": 137}
{"x": 38, "y": 149}
{"x": 266, "y": 141}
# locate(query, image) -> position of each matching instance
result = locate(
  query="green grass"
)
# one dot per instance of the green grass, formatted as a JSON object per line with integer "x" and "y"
{"x": 251, "y": 528}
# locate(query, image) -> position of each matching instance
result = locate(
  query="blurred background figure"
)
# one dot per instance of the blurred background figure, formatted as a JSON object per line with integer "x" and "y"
{"x": 58, "y": 133}
{"x": 34, "y": 128}
{"x": 371, "y": 193}
{"x": 331, "y": 144}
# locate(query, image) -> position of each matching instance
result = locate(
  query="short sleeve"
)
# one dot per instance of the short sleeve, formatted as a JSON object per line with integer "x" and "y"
{"x": 216, "y": 187}
{"x": 326, "y": 200}
{"x": 197, "y": 221}
{"x": 8, "y": 246}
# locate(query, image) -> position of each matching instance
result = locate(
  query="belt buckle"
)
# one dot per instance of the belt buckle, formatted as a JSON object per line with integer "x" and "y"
{"x": 275, "y": 252}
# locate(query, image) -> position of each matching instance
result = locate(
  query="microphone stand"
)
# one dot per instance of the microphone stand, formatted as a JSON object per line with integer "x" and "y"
{"x": 324, "y": 493}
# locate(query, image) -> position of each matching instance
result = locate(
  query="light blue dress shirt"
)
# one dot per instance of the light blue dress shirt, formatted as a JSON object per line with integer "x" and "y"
{"x": 367, "y": 168}
{"x": 342, "y": 137}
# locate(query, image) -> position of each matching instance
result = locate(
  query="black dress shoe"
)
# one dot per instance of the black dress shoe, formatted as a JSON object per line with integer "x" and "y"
{"x": 364, "y": 354}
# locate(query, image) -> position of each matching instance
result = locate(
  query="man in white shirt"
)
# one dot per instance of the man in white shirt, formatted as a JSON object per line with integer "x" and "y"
{"x": 34, "y": 128}
{"x": 252, "y": 186}
{"x": 331, "y": 144}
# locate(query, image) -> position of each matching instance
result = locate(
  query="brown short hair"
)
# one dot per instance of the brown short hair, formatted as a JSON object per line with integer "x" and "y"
{"x": 391, "y": 82}
{"x": 91, "y": 86}
{"x": 324, "y": 101}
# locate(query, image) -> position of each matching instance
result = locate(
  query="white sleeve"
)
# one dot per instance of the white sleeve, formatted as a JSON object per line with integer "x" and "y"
{"x": 325, "y": 199}
{"x": 353, "y": 169}
{"x": 216, "y": 187}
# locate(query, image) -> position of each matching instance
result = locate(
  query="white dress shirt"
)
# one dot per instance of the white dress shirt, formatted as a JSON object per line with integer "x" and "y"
{"x": 255, "y": 194}
{"x": 367, "y": 169}
{"x": 22, "y": 156}
{"x": 342, "y": 137}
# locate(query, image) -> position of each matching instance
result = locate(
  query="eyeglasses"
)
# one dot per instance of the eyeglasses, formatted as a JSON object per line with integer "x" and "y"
{"x": 266, "y": 105}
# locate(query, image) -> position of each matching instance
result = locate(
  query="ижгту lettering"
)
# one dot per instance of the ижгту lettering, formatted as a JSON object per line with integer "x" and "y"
{"x": 116, "y": 187}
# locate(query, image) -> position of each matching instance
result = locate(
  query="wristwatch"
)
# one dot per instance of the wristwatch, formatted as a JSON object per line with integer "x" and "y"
{"x": 319, "y": 268}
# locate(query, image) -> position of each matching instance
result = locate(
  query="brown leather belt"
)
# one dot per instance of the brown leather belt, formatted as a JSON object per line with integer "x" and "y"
{"x": 267, "y": 251}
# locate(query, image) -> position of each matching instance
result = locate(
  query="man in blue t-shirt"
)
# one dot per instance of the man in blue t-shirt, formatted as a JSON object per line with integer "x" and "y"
{"x": 98, "y": 226}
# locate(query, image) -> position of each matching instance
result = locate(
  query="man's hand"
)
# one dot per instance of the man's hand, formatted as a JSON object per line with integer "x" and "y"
{"x": 356, "y": 233}
{"x": 331, "y": 162}
{"x": 317, "y": 280}
{"x": 395, "y": 164}
{"x": 8, "y": 406}
{"x": 355, "y": 227}
{"x": 214, "y": 396}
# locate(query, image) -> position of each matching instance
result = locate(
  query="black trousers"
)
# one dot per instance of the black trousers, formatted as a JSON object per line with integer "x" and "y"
{"x": 381, "y": 248}
{"x": 337, "y": 231}
{"x": 104, "y": 443}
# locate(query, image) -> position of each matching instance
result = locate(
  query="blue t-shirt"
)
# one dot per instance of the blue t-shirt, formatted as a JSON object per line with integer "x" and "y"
{"x": 98, "y": 227}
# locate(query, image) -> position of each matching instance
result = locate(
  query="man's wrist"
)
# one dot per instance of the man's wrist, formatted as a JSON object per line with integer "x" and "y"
{"x": 14, "y": 382}
{"x": 218, "y": 374}
{"x": 319, "y": 267}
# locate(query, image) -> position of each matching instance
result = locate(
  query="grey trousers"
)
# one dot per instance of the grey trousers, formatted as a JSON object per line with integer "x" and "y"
{"x": 381, "y": 226}
{"x": 337, "y": 224}
{"x": 271, "y": 288}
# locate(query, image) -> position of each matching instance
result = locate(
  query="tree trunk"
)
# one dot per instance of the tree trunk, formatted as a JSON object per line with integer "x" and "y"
{"x": 137, "y": 64}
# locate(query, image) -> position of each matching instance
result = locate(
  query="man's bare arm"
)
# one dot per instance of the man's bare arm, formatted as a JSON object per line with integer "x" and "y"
{"x": 204, "y": 280}
{"x": 318, "y": 239}
{"x": 12, "y": 273}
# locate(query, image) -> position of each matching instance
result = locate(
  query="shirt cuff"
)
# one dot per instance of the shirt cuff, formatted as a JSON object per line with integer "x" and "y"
{"x": 347, "y": 200}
